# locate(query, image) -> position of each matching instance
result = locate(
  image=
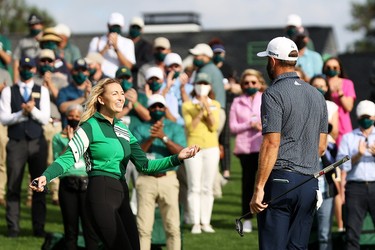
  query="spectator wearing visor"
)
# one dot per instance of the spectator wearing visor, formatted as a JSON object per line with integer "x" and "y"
{"x": 94, "y": 62}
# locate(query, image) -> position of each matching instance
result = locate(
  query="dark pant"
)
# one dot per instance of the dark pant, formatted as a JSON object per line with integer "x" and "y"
{"x": 33, "y": 152}
{"x": 113, "y": 220}
{"x": 249, "y": 164}
{"x": 73, "y": 207}
{"x": 359, "y": 199}
{"x": 286, "y": 223}
{"x": 224, "y": 140}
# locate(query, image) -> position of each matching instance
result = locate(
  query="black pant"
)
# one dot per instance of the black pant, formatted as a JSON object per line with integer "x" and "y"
{"x": 73, "y": 207}
{"x": 249, "y": 164}
{"x": 113, "y": 220}
{"x": 20, "y": 152}
{"x": 359, "y": 199}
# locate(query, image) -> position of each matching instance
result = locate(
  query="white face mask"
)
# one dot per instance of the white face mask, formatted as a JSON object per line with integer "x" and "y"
{"x": 202, "y": 90}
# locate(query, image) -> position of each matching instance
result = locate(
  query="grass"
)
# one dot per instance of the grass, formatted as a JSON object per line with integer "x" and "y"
{"x": 225, "y": 211}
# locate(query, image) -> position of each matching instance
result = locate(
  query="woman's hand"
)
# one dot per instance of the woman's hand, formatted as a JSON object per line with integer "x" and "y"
{"x": 38, "y": 184}
{"x": 188, "y": 152}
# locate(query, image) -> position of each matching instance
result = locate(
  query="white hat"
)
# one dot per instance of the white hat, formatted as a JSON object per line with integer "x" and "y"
{"x": 172, "y": 58}
{"x": 202, "y": 49}
{"x": 116, "y": 19}
{"x": 365, "y": 108}
{"x": 62, "y": 29}
{"x": 47, "y": 53}
{"x": 137, "y": 21}
{"x": 156, "y": 98}
{"x": 94, "y": 57}
{"x": 162, "y": 42}
{"x": 154, "y": 72}
{"x": 279, "y": 48}
{"x": 294, "y": 20}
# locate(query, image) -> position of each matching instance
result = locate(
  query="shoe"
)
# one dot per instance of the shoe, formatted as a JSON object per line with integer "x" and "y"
{"x": 39, "y": 233}
{"x": 55, "y": 202}
{"x": 224, "y": 181}
{"x": 341, "y": 229}
{"x": 207, "y": 229}
{"x": 247, "y": 226}
{"x": 13, "y": 234}
{"x": 196, "y": 229}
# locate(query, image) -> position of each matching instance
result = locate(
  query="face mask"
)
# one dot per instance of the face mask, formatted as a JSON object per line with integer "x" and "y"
{"x": 92, "y": 72}
{"x": 154, "y": 86}
{"x": 321, "y": 91}
{"x": 176, "y": 74}
{"x": 157, "y": 115}
{"x": 79, "y": 77}
{"x": 202, "y": 90}
{"x": 217, "y": 58}
{"x": 198, "y": 63}
{"x": 44, "y": 68}
{"x": 49, "y": 45}
{"x": 365, "y": 123}
{"x": 134, "y": 32}
{"x": 73, "y": 123}
{"x": 331, "y": 72}
{"x": 300, "y": 42}
{"x": 250, "y": 91}
{"x": 115, "y": 29}
{"x": 126, "y": 85}
{"x": 159, "y": 56}
{"x": 26, "y": 74}
{"x": 35, "y": 32}
{"x": 290, "y": 32}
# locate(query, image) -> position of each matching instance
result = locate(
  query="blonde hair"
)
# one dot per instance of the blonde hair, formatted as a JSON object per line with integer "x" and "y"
{"x": 257, "y": 74}
{"x": 92, "y": 105}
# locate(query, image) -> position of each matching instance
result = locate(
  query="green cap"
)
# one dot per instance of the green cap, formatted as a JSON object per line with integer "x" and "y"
{"x": 123, "y": 71}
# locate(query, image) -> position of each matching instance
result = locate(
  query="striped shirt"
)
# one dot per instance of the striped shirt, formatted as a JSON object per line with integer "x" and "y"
{"x": 298, "y": 112}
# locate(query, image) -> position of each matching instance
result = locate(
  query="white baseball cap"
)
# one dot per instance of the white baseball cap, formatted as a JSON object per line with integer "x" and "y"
{"x": 62, "y": 29}
{"x": 172, "y": 58}
{"x": 365, "y": 108}
{"x": 294, "y": 20}
{"x": 116, "y": 19}
{"x": 162, "y": 42}
{"x": 156, "y": 98}
{"x": 202, "y": 49}
{"x": 279, "y": 48}
{"x": 137, "y": 21}
{"x": 154, "y": 72}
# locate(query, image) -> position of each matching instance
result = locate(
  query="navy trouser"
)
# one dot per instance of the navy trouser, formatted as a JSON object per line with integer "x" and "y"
{"x": 286, "y": 223}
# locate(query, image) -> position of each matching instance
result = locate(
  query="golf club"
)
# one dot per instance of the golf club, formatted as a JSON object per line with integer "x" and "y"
{"x": 239, "y": 226}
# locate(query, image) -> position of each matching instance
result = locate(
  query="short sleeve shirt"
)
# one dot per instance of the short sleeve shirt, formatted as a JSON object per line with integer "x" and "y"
{"x": 6, "y": 47}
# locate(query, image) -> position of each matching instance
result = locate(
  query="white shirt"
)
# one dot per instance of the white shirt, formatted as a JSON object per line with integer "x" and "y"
{"x": 111, "y": 62}
{"x": 41, "y": 115}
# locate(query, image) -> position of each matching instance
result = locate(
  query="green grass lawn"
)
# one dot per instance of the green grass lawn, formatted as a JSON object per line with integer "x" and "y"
{"x": 225, "y": 211}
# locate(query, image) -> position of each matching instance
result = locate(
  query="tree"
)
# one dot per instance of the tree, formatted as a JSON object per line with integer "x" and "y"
{"x": 14, "y": 15}
{"x": 364, "y": 20}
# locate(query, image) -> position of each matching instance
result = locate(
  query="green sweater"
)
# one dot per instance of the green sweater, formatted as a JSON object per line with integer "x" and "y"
{"x": 107, "y": 149}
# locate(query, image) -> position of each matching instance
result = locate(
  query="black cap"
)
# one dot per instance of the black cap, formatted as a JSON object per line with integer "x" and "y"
{"x": 34, "y": 19}
{"x": 27, "y": 62}
{"x": 80, "y": 63}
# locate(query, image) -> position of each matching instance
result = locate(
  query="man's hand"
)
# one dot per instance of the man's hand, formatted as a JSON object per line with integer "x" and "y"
{"x": 362, "y": 147}
{"x": 131, "y": 95}
{"x": 256, "y": 203}
{"x": 156, "y": 130}
{"x": 28, "y": 107}
{"x": 112, "y": 40}
{"x": 47, "y": 79}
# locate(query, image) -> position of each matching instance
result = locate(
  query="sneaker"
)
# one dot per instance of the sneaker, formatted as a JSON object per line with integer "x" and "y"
{"x": 196, "y": 229}
{"x": 207, "y": 229}
{"x": 247, "y": 226}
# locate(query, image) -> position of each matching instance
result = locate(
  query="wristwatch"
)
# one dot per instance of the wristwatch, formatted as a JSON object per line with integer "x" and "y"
{"x": 165, "y": 139}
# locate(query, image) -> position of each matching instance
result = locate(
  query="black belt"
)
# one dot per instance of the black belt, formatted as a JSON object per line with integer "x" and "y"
{"x": 361, "y": 182}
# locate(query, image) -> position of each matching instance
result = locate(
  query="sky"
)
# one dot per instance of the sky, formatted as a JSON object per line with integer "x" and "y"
{"x": 84, "y": 16}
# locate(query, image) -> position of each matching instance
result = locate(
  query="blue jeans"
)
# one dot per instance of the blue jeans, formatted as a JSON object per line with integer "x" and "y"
{"x": 324, "y": 218}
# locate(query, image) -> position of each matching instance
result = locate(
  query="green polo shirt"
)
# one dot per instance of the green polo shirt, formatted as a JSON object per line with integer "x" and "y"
{"x": 6, "y": 47}
{"x": 135, "y": 121}
{"x": 158, "y": 149}
{"x": 107, "y": 149}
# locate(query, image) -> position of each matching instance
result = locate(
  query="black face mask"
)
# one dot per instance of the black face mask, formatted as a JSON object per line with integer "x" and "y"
{"x": 73, "y": 123}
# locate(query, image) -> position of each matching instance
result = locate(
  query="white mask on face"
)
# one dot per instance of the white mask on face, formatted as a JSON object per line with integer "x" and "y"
{"x": 202, "y": 90}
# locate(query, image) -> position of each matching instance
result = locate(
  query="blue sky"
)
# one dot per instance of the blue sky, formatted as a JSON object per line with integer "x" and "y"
{"x": 84, "y": 16}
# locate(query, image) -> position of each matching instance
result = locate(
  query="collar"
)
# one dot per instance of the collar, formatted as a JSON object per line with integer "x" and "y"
{"x": 284, "y": 76}
{"x": 99, "y": 116}
{"x": 358, "y": 131}
{"x": 28, "y": 85}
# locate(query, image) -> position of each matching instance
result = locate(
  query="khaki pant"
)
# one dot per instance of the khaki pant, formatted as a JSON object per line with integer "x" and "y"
{"x": 164, "y": 192}
{"x": 3, "y": 169}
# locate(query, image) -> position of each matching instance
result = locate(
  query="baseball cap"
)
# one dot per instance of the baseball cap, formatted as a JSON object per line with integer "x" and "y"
{"x": 279, "y": 48}
{"x": 116, "y": 19}
{"x": 62, "y": 29}
{"x": 365, "y": 107}
{"x": 92, "y": 57}
{"x": 154, "y": 72}
{"x": 203, "y": 77}
{"x": 294, "y": 20}
{"x": 162, "y": 42}
{"x": 27, "y": 62}
{"x": 123, "y": 71}
{"x": 218, "y": 48}
{"x": 80, "y": 63}
{"x": 34, "y": 19}
{"x": 172, "y": 58}
{"x": 137, "y": 21}
{"x": 156, "y": 98}
{"x": 202, "y": 49}
{"x": 47, "y": 53}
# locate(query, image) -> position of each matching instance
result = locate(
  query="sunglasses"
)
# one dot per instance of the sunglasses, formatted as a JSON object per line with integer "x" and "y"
{"x": 46, "y": 60}
{"x": 202, "y": 83}
{"x": 248, "y": 82}
{"x": 157, "y": 105}
{"x": 239, "y": 225}
{"x": 332, "y": 68}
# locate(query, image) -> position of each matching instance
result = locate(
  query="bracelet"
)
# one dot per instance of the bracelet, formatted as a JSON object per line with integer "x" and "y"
{"x": 135, "y": 104}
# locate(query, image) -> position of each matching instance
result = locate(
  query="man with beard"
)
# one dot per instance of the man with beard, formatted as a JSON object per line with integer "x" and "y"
{"x": 294, "y": 128}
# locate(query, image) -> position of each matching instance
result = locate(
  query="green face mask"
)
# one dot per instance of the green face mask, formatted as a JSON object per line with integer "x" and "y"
{"x": 26, "y": 74}
{"x": 176, "y": 74}
{"x": 154, "y": 86}
{"x": 35, "y": 32}
{"x": 250, "y": 91}
{"x": 157, "y": 115}
{"x": 331, "y": 73}
{"x": 365, "y": 123}
{"x": 198, "y": 63}
{"x": 134, "y": 32}
{"x": 44, "y": 68}
{"x": 79, "y": 77}
{"x": 92, "y": 72}
{"x": 321, "y": 91}
{"x": 115, "y": 29}
{"x": 49, "y": 45}
{"x": 159, "y": 56}
{"x": 217, "y": 58}
{"x": 126, "y": 85}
